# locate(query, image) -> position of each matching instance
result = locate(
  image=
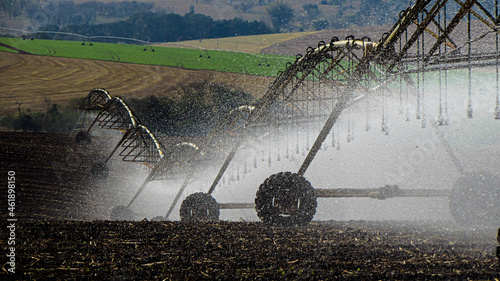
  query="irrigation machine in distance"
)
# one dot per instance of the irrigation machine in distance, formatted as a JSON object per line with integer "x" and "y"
{"x": 431, "y": 36}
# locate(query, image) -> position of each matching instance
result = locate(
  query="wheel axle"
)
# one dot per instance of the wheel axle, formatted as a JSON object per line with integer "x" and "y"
{"x": 388, "y": 191}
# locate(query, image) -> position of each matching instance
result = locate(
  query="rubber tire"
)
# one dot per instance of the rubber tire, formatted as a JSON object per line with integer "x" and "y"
{"x": 475, "y": 200}
{"x": 99, "y": 170}
{"x": 199, "y": 207}
{"x": 289, "y": 184}
{"x": 121, "y": 213}
{"x": 83, "y": 138}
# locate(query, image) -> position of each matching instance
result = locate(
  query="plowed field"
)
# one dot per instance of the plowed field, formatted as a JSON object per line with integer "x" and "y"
{"x": 38, "y": 80}
{"x": 54, "y": 188}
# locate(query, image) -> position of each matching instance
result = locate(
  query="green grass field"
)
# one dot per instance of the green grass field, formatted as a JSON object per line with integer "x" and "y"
{"x": 234, "y": 62}
{"x": 4, "y": 49}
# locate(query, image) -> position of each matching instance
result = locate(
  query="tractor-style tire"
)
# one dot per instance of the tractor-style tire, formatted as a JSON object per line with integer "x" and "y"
{"x": 121, "y": 213}
{"x": 286, "y": 199}
{"x": 475, "y": 200}
{"x": 199, "y": 207}
{"x": 83, "y": 138}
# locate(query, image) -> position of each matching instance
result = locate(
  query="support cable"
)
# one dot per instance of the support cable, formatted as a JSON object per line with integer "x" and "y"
{"x": 338, "y": 136}
{"x": 418, "y": 80}
{"x": 445, "y": 118}
{"x": 423, "y": 79}
{"x": 384, "y": 127}
{"x": 400, "y": 108}
{"x": 497, "y": 102}
{"x": 367, "y": 104}
{"x": 440, "y": 117}
{"x": 407, "y": 118}
{"x": 469, "y": 103}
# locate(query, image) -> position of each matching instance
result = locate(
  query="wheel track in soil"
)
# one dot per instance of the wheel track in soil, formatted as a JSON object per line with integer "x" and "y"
{"x": 51, "y": 50}
{"x": 114, "y": 56}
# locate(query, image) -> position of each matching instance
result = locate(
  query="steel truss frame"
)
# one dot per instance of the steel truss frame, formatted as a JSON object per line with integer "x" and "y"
{"x": 94, "y": 101}
{"x": 345, "y": 67}
{"x": 138, "y": 144}
{"x": 380, "y": 63}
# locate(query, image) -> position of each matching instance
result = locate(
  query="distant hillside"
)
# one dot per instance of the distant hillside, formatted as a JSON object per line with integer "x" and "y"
{"x": 229, "y": 9}
{"x": 307, "y": 15}
{"x": 336, "y": 13}
{"x": 288, "y": 44}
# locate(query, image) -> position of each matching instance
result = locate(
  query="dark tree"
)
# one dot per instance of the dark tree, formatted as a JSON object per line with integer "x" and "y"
{"x": 281, "y": 14}
{"x": 246, "y": 5}
{"x": 319, "y": 24}
{"x": 311, "y": 9}
{"x": 171, "y": 27}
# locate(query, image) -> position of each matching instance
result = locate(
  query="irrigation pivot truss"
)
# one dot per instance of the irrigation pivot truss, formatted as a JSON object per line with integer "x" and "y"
{"x": 307, "y": 98}
{"x": 138, "y": 144}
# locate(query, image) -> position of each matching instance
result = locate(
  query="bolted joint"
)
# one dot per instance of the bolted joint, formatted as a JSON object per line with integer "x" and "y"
{"x": 388, "y": 191}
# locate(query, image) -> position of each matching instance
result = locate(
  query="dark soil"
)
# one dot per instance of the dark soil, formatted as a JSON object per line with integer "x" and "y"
{"x": 52, "y": 242}
{"x": 238, "y": 250}
{"x": 52, "y": 173}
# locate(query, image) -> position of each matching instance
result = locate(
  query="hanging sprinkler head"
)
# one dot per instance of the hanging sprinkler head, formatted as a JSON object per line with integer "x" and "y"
{"x": 469, "y": 111}
{"x": 440, "y": 120}
{"x": 385, "y": 129}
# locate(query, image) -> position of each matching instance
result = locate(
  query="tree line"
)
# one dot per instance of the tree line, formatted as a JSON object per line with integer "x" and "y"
{"x": 157, "y": 27}
{"x": 54, "y": 119}
{"x": 193, "y": 111}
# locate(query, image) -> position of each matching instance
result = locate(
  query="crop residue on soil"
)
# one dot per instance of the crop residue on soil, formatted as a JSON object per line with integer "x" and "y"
{"x": 238, "y": 250}
{"x": 53, "y": 181}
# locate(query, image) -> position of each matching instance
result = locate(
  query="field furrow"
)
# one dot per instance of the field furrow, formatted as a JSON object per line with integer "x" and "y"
{"x": 38, "y": 79}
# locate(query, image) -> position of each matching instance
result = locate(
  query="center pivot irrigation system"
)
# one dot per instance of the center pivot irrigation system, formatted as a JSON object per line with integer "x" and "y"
{"x": 307, "y": 99}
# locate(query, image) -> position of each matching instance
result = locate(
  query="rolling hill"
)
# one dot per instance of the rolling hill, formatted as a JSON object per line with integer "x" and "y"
{"x": 40, "y": 80}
